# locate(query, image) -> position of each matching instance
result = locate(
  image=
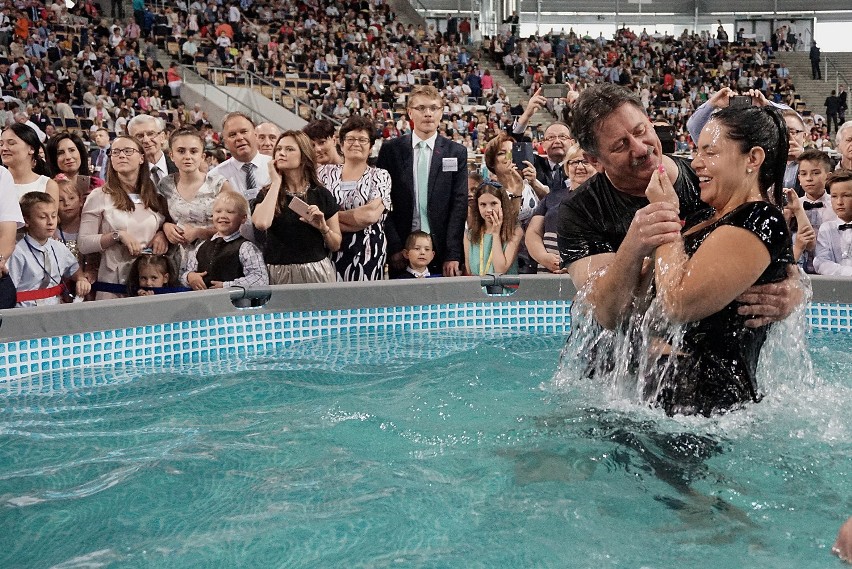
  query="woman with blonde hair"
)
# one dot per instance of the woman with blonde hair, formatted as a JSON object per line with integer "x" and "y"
{"x": 541, "y": 231}
{"x": 296, "y": 217}
{"x": 123, "y": 219}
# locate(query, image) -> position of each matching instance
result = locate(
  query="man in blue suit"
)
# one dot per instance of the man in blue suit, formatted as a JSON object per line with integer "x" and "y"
{"x": 429, "y": 186}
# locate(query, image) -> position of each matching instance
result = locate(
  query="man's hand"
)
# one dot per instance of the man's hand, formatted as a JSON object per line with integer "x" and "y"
{"x": 652, "y": 226}
{"x": 451, "y": 269}
{"x": 537, "y": 102}
{"x": 771, "y": 302}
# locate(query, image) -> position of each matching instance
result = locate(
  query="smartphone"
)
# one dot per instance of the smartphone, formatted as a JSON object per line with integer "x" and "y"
{"x": 299, "y": 206}
{"x": 740, "y": 102}
{"x": 522, "y": 152}
{"x": 553, "y": 91}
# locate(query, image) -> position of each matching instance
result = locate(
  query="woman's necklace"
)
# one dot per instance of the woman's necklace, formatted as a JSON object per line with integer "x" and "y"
{"x": 301, "y": 194}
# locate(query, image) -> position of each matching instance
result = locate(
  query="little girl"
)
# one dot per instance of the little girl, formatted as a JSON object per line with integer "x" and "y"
{"x": 70, "y": 208}
{"x": 494, "y": 236}
{"x": 151, "y": 272}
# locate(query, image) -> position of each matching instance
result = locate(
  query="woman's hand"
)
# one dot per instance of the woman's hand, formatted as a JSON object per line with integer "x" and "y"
{"x": 159, "y": 244}
{"x": 315, "y": 218}
{"x": 660, "y": 188}
{"x": 274, "y": 175}
{"x": 83, "y": 286}
{"x": 529, "y": 173}
{"x": 496, "y": 221}
{"x": 175, "y": 234}
{"x": 133, "y": 246}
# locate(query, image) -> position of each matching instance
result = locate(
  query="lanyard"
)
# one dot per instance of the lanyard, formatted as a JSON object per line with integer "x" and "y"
{"x": 483, "y": 269}
{"x": 37, "y": 260}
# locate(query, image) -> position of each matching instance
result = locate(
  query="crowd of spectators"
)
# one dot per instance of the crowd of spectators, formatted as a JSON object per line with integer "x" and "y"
{"x": 129, "y": 179}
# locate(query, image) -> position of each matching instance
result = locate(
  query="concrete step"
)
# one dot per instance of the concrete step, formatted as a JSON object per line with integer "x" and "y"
{"x": 813, "y": 92}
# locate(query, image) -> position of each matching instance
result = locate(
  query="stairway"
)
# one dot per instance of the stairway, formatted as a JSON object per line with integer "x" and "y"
{"x": 515, "y": 92}
{"x": 812, "y": 92}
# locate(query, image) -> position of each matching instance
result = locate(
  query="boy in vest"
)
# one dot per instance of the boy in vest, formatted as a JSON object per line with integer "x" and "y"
{"x": 227, "y": 259}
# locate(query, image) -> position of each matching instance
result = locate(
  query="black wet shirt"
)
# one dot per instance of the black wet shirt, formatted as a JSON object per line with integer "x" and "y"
{"x": 596, "y": 219}
{"x": 718, "y": 370}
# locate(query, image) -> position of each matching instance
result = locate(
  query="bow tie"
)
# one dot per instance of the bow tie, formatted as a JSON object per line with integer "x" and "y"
{"x": 812, "y": 205}
{"x": 844, "y": 226}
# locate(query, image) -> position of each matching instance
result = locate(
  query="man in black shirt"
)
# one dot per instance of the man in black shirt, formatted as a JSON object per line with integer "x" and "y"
{"x": 610, "y": 224}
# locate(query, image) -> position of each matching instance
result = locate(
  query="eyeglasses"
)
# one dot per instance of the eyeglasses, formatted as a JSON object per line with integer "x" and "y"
{"x": 552, "y": 137}
{"x": 359, "y": 141}
{"x": 148, "y": 134}
{"x": 123, "y": 151}
{"x": 424, "y": 108}
{"x": 578, "y": 162}
{"x": 795, "y": 131}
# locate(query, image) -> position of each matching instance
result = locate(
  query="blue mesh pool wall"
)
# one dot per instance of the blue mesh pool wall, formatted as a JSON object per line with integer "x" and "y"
{"x": 202, "y": 327}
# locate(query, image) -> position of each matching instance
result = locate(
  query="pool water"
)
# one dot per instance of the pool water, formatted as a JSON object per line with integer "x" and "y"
{"x": 451, "y": 449}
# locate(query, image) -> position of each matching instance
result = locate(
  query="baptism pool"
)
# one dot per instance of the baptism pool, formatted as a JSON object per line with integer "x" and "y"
{"x": 403, "y": 435}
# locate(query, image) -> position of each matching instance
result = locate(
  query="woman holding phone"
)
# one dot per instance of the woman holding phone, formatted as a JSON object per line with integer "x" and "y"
{"x": 295, "y": 217}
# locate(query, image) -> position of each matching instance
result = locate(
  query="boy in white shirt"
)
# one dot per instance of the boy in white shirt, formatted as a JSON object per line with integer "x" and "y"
{"x": 814, "y": 167}
{"x": 39, "y": 262}
{"x": 834, "y": 242}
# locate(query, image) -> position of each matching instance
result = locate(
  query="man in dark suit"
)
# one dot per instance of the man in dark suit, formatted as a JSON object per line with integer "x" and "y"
{"x": 100, "y": 155}
{"x": 150, "y": 132}
{"x": 439, "y": 208}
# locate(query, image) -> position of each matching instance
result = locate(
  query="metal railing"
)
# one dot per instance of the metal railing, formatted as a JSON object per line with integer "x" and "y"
{"x": 215, "y": 76}
{"x": 839, "y": 77}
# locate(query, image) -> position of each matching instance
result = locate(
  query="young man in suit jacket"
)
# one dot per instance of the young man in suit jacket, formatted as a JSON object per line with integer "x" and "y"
{"x": 440, "y": 209}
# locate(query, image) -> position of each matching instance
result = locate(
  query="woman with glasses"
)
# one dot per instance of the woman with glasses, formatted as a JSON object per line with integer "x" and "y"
{"x": 295, "y": 217}
{"x": 541, "y": 231}
{"x": 363, "y": 194}
{"x": 123, "y": 219}
{"x": 498, "y": 160}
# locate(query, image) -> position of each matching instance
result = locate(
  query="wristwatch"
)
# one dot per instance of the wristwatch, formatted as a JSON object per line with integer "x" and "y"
{"x": 116, "y": 237}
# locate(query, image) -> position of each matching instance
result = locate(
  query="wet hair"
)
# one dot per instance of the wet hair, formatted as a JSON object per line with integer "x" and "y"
{"x": 762, "y": 127}
{"x": 31, "y": 199}
{"x": 815, "y": 155}
{"x": 52, "y": 148}
{"x": 29, "y": 137}
{"x": 836, "y": 177}
{"x": 510, "y": 217}
{"x": 412, "y": 238}
{"x": 160, "y": 262}
{"x": 357, "y": 123}
{"x": 319, "y": 130}
{"x": 592, "y": 107}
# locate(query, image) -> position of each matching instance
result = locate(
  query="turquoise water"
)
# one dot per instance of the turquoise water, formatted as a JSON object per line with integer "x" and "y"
{"x": 419, "y": 450}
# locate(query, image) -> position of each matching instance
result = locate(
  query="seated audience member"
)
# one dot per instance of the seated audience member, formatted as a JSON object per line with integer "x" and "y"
{"x": 226, "y": 259}
{"x": 492, "y": 241}
{"x": 834, "y": 242}
{"x": 419, "y": 252}
{"x": 296, "y": 245}
{"x": 150, "y": 272}
{"x": 39, "y": 262}
{"x": 122, "y": 219}
{"x": 540, "y": 235}
{"x": 363, "y": 195}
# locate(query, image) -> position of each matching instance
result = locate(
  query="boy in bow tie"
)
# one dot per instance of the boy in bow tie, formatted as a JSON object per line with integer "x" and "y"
{"x": 814, "y": 167}
{"x": 834, "y": 243}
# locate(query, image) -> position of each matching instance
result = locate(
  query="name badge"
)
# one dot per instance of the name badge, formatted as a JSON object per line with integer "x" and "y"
{"x": 451, "y": 164}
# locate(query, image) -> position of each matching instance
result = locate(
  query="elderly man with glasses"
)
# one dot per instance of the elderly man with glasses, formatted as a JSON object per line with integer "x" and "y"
{"x": 149, "y": 131}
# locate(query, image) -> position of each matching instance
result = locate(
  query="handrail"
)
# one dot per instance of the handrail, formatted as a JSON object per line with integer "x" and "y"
{"x": 837, "y": 74}
{"x": 231, "y": 101}
{"x": 254, "y": 77}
